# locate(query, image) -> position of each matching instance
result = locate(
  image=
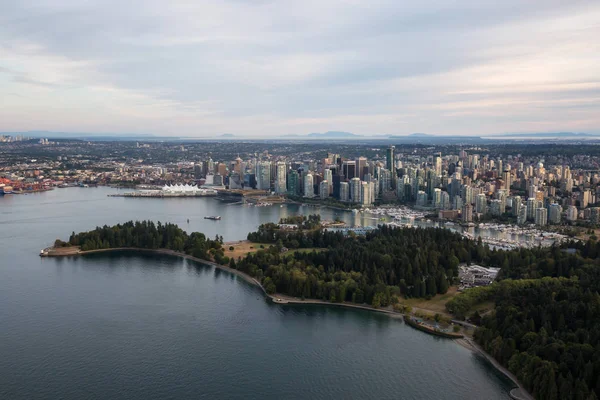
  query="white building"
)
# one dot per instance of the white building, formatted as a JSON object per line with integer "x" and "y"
{"x": 309, "y": 190}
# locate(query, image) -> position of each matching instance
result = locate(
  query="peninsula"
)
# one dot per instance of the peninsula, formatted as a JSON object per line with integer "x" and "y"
{"x": 300, "y": 262}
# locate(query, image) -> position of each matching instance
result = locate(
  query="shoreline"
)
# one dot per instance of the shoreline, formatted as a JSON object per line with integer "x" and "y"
{"x": 517, "y": 393}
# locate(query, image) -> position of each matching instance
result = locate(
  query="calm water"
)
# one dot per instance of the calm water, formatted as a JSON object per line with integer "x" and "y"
{"x": 125, "y": 326}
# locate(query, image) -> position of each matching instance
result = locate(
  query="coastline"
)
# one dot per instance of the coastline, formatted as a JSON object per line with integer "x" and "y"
{"x": 517, "y": 393}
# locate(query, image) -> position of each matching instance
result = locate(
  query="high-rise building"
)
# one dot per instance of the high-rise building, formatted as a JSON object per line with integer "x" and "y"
{"x": 361, "y": 164}
{"x": 532, "y": 205}
{"x": 328, "y": 176}
{"x": 309, "y": 190}
{"x": 554, "y": 214}
{"x": 571, "y": 213}
{"x": 281, "y": 180}
{"x": 365, "y": 193}
{"x": 437, "y": 163}
{"x": 522, "y": 217}
{"x": 481, "y": 204}
{"x": 349, "y": 169}
{"x": 541, "y": 216}
{"x": 355, "y": 190}
{"x": 390, "y": 162}
{"x": 344, "y": 191}
{"x": 516, "y": 205}
{"x": 324, "y": 190}
{"x": 421, "y": 198}
{"x": 467, "y": 213}
{"x": 495, "y": 207}
{"x": 263, "y": 175}
{"x": 293, "y": 183}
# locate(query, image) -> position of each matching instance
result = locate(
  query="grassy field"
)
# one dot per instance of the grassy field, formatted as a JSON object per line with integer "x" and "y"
{"x": 242, "y": 248}
{"x": 437, "y": 304}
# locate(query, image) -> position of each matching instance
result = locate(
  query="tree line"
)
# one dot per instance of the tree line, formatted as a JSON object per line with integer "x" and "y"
{"x": 546, "y": 324}
{"x": 148, "y": 235}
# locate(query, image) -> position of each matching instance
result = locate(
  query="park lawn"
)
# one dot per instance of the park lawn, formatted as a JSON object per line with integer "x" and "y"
{"x": 243, "y": 248}
{"x": 436, "y": 304}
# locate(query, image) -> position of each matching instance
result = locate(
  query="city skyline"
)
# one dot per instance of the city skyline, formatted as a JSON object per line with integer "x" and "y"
{"x": 268, "y": 69}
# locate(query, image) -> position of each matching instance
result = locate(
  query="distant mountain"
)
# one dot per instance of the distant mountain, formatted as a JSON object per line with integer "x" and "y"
{"x": 332, "y": 135}
{"x": 420, "y": 134}
{"x": 227, "y": 135}
{"x": 550, "y": 135}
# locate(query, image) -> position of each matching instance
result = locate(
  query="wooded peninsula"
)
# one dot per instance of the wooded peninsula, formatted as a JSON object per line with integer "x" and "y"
{"x": 545, "y": 326}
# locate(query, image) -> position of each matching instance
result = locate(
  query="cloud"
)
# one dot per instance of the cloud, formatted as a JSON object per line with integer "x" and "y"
{"x": 271, "y": 67}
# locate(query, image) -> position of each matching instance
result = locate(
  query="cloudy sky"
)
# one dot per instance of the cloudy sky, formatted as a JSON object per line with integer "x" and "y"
{"x": 271, "y": 68}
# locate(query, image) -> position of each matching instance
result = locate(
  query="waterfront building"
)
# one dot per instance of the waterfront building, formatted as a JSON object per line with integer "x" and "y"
{"x": 555, "y": 212}
{"x": 532, "y": 205}
{"x": 344, "y": 191}
{"x": 541, "y": 216}
{"x": 467, "y": 213}
{"x": 281, "y": 178}
{"x": 365, "y": 193}
{"x": 263, "y": 175}
{"x": 496, "y": 208}
{"x": 355, "y": 190}
{"x": 421, "y": 198}
{"x": 437, "y": 198}
{"x": 522, "y": 216}
{"x": 293, "y": 182}
{"x": 445, "y": 201}
{"x": 324, "y": 190}
{"x": 516, "y": 205}
{"x": 328, "y": 176}
{"x": 481, "y": 204}
{"x": 309, "y": 190}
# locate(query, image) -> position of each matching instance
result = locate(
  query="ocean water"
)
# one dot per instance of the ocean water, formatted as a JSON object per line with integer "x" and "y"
{"x": 135, "y": 326}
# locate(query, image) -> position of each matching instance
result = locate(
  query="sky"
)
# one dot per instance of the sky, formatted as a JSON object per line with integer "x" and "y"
{"x": 260, "y": 68}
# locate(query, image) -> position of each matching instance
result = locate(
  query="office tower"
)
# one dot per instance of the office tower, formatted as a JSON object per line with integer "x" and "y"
{"x": 390, "y": 162}
{"x": 361, "y": 164}
{"x": 349, "y": 169}
{"x": 293, "y": 184}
